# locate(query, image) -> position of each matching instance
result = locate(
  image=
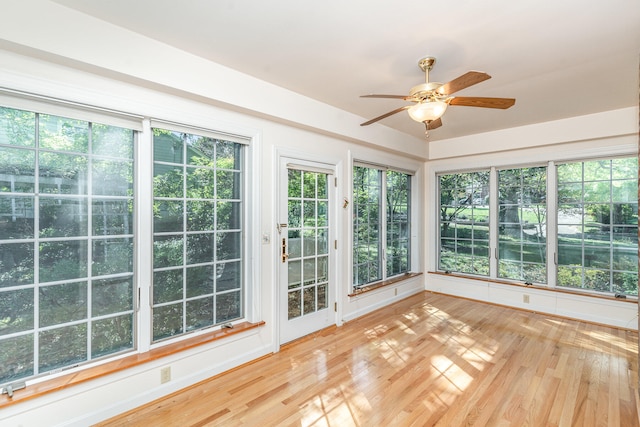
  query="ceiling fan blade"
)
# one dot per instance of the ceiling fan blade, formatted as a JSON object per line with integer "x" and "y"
{"x": 468, "y": 79}
{"x": 373, "y": 95}
{"x": 390, "y": 113}
{"x": 434, "y": 124}
{"x": 473, "y": 101}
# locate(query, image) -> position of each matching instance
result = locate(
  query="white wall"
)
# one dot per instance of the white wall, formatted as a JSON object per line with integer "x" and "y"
{"x": 40, "y": 52}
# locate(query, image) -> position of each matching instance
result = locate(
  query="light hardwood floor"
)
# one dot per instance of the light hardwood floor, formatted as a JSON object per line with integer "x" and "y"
{"x": 428, "y": 360}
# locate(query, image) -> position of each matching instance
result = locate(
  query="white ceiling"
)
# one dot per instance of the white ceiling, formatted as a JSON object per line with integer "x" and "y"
{"x": 559, "y": 59}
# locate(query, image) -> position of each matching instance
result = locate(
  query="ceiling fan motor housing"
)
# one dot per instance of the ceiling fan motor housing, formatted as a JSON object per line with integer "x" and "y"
{"x": 425, "y": 91}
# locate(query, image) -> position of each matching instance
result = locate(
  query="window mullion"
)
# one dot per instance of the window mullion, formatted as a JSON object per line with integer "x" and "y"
{"x": 552, "y": 224}
{"x": 144, "y": 243}
{"x": 493, "y": 223}
{"x": 382, "y": 220}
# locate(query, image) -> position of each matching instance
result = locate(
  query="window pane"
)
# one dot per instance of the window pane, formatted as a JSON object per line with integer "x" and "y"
{"x": 367, "y": 245}
{"x": 295, "y": 304}
{"x": 111, "y": 141}
{"x": 168, "y": 216}
{"x": 200, "y": 281}
{"x": 228, "y": 246}
{"x": 167, "y": 321}
{"x": 199, "y": 313}
{"x": 17, "y": 127}
{"x": 228, "y": 306}
{"x": 522, "y": 218}
{"x": 228, "y": 185}
{"x": 210, "y": 248}
{"x": 228, "y": 275}
{"x": 109, "y": 296}
{"x": 16, "y": 217}
{"x": 17, "y": 170}
{"x": 200, "y": 248}
{"x": 598, "y": 241}
{"x": 167, "y": 251}
{"x": 63, "y": 260}
{"x": 112, "y": 177}
{"x": 398, "y": 222}
{"x": 111, "y": 335}
{"x": 62, "y": 173}
{"x": 464, "y": 227}
{"x": 63, "y": 217}
{"x": 62, "y": 134}
{"x": 62, "y": 347}
{"x": 112, "y": 256}
{"x": 167, "y": 286}
{"x": 63, "y": 303}
{"x": 112, "y": 217}
{"x": 17, "y": 308}
{"x": 16, "y": 357}
{"x": 53, "y": 220}
{"x": 201, "y": 183}
{"x": 295, "y": 183}
{"x": 294, "y": 273}
{"x": 200, "y": 215}
{"x": 295, "y": 244}
{"x": 16, "y": 264}
{"x": 168, "y": 181}
{"x": 167, "y": 146}
{"x": 228, "y": 215}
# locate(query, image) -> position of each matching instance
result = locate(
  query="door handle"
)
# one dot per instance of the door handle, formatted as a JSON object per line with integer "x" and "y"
{"x": 285, "y": 255}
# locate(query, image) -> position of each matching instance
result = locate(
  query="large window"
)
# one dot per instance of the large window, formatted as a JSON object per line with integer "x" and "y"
{"x": 594, "y": 238}
{"x": 68, "y": 288}
{"x": 66, "y": 242}
{"x": 197, "y": 229}
{"x": 382, "y": 206}
{"x": 464, "y": 222}
{"x": 597, "y": 225}
{"x": 398, "y": 219}
{"x": 522, "y": 225}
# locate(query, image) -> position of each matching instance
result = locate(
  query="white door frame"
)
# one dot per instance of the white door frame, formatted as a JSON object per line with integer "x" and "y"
{"x": 305, "y": 162}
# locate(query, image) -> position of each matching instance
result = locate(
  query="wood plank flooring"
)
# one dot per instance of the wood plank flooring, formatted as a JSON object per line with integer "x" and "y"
{"x": 428, "y": 360}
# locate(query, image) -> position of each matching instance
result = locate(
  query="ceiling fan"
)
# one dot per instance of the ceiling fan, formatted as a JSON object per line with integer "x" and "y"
{"x": 431, "y": 99}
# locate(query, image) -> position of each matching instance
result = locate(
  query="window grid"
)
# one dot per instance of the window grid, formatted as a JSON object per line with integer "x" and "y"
{"x": 197, "y": 280}
{"x": 398, "y": 251}
{"x": 308, "y": 246}
{"x": 597, "y": 225}
{"x": 381, "y": 233}
{"x": 62, "y": 251}
{"x": 522, "y": 225}
{"x": 464, "y": 222}
{"x": 367, "y": 245}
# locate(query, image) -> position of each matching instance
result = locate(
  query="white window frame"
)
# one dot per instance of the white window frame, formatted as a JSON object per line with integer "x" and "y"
{"x": 143, "y": 202}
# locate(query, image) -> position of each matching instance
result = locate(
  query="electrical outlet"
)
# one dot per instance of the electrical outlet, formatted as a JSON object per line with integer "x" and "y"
{"x": 525, "y": 299}
{"x": 165, "y": 374}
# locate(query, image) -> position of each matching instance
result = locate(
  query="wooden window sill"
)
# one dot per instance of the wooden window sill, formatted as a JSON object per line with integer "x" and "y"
{"x": 630, "y": 299}
{"x": 91, "y": 373}
{"x": 383, "y": 283}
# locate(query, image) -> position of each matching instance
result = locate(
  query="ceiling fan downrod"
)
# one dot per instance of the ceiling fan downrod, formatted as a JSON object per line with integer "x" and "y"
{"x": 426, "y": 64}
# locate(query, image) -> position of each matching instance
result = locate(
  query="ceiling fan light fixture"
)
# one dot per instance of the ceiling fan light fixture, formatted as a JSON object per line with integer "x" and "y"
{"x": 427, "y": 111}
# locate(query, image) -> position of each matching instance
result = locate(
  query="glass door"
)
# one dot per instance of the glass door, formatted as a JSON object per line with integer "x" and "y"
{"x": 304, "y": 253}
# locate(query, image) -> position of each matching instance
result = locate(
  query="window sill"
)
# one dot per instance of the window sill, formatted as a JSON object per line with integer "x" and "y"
{"x": 383, "y": 283}
{"x": 629, "y": 299}
{"x": 91, "y": 373}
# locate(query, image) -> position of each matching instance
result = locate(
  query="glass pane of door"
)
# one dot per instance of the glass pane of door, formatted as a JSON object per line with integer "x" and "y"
{"x": 308, "y": 248}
